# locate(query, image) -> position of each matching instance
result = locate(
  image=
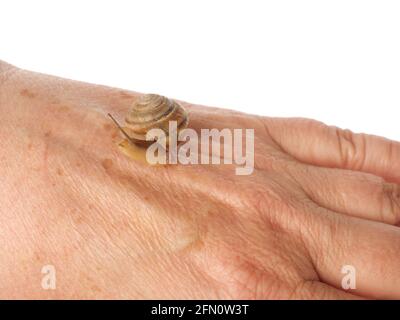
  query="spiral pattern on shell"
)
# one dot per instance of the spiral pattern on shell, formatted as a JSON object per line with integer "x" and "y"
{"x": 154, "y": 111}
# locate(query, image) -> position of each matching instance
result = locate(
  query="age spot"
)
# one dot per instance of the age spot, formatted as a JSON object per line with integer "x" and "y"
{"x": 63, "y": 108}
{"x": 107, "y": 126}
{"x": 28, "y": 94}
{"x": 107, "y": 164}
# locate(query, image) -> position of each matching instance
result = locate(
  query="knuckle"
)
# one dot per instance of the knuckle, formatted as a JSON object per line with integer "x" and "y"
{"x": 390, "y": 203}
{"x": 260, "y": 197}
{"x": 330, "y": 231}
{"x": 246, "y": 277}
{"x": 272, "y": 203}
{"x": 351, "y": 147}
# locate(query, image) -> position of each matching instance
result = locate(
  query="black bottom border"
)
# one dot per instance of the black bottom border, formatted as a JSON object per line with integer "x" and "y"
{"x": 201, "y": 309}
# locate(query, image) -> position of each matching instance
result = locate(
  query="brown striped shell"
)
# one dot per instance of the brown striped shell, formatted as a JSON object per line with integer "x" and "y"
{"x": 153, "y": 111}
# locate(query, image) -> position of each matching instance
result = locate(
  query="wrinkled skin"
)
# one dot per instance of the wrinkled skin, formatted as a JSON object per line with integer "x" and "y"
{"x": 319, "y": 198}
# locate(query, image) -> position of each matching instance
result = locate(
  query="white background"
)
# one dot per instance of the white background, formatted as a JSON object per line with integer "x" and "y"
{"x": 336, "y": 61}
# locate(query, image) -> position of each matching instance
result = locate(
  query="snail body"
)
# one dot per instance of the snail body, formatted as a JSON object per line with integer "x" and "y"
{"x": 152, "y": 111}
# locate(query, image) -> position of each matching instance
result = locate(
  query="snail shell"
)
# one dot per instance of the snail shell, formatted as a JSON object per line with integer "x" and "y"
{"x": 153, "y": 111}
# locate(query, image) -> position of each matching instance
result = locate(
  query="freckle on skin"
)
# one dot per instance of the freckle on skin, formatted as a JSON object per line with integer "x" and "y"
{"x": 79, "y": 220}
{"x": 54, "y": 101}
{"x": 114, "y": 135}
{"x": 95, "y": 288}
{"x": 60, "y": 172}
{"x": 63, "y": 109}
{"x": 47, "y": 134}
{"x": 37, "y": 256}
{"x": 107, "y": 164}
{"x": 107, "y": 126}
{"x": 28, "y": 94}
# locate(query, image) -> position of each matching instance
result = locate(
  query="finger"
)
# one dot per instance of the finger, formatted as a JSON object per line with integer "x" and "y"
{"x": 370, "y": 248}
{"x": 316, "y": 143}
{"x": 350, "y": 192}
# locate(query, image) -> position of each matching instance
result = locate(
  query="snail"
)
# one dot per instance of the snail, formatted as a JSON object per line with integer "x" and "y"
{"x": 148, "y": 112}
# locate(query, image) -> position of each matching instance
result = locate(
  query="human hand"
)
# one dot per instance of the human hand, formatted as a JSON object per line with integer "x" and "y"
{"x": 319, "y": 198}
